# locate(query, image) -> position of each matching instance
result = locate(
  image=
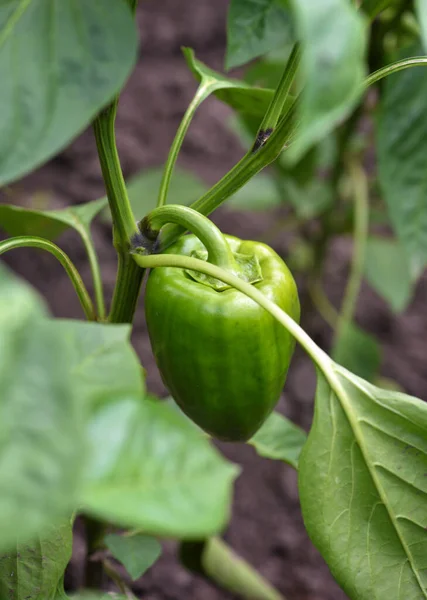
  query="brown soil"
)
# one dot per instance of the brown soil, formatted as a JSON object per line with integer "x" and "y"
{"x": 266, "y": 527}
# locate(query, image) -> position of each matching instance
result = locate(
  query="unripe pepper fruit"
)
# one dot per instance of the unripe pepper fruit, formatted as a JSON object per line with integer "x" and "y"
{"x": 223, "y": 358}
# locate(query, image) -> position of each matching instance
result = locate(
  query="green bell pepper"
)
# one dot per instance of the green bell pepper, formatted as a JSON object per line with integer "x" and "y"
{"x": 223, "y": 358}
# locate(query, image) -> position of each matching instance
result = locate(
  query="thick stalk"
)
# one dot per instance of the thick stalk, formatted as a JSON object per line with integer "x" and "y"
{"x": 219, "y": 252}
{"x": 361, "y": 228}
{"x": 129, "y": 279}
{"x": 246, "y": 168}
{"x": 203, "y": 91}
{"x": 63, "y": 258}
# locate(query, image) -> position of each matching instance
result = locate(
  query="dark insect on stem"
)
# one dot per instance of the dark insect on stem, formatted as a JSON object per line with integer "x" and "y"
{"x": 261, "y": 138}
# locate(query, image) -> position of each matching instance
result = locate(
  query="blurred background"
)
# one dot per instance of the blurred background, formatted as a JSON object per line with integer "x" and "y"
{"x": 266, "y": 527}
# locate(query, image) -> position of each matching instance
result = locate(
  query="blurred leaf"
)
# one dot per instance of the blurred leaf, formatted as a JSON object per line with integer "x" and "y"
{"x": 387, "y": 271}
{"x": 402, "y": 151}
{"x": 81, "y": 55}
{"x": 372, "y": 7}
{"x": 332, "y": 67}
{"x": 358, "y": 351}
{"x": 245, "y": 99}
{"x": 309, "y": 200}
{"x": 101, "y": 359}
{"x": 279, "y": 439}
{"x": 92, "y": 596}
{"x": 143, "y": 190}
{"x": 35, "y": 571}
{"x": 253, "y": 28}
{"x": 260, "y": 193}
{"x": 363, "y": 487}
{"x": 48, "y": 224}
{"x": 41, "y": 433}
{"x": 137, "y": 553}
{"x": 157, "y": 472}
{"x": 421, "y": 10}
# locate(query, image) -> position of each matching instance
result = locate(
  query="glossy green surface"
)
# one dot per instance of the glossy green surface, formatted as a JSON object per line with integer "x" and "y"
{"x": 223, "y": 358}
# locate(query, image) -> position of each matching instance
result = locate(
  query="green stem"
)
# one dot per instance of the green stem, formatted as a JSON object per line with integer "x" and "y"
{"x": 129, "y": 279}
{"x": 203, "y": 91}
{"x": 277, "y": 103}
{"x": 216, "y": 561}
{"x": 72, "y": 272}
{"x": 195, "y": 264}
{"x": 96, "y": 272}
{"x": 320, "y": 300}
{"x": 246, "y": 168}
{"x": 219, "y": 252}
{"x": 417, "y": 61}
{"x": 361, "y": 229}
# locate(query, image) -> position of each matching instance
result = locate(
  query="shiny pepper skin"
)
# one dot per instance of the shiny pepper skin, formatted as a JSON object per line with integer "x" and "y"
{"x": 223, "y": 358}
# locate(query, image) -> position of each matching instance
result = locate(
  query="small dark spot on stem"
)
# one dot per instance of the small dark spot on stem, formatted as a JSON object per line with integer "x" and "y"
{"x": 261, "y": 138}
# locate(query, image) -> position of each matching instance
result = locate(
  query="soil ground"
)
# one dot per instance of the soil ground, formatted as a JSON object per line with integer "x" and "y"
{"x": 266, "y": 527}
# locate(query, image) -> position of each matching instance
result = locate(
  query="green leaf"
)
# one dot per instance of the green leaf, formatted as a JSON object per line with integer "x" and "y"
{"x": 421, "y": 10}
{"x": 157, "y": 473}
{"x": 143, "y": 190}
{"x": 41, "y": 434}
{"x": 81, "y": 55}
{"x": 260, "y": 193}
{"x": 48, "y": 224}
{"x": 279, "y": 439}
{"x": 402, "y": 150}
{"x": 255, "y": 27}
{"x": 358, "y": 351}
{"x": 332, "y": 67}
{"x": 242, "y": 97}
{"x": 34, "y": 571}
{"x": 137, "y": 553}
{"x": 363, "y": 487}
{"x": 387, "y": 271}
{"x": 373, "y": 7}
{"x": 101, "y": 359}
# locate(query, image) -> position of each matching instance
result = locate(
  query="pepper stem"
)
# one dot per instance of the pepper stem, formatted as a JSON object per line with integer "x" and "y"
{"x": 219, "y": 252}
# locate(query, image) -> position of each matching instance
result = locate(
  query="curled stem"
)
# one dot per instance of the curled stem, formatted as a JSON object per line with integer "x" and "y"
{"x": 27, "y": 241}
{"x": 219, "y": 252}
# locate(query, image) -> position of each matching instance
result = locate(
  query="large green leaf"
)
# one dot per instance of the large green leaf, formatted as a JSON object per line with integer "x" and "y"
{"x": 57, "y": 78}
{"x": 363, "y": 487}
{"x": 279, "y": 439}
{"x": 34, "y": 570}
{"x": 48, "y": 224}
{"x": 332, "y": 67}
{"x": 41, "y": 433}
{"x": 244, "y": 98}
{"x": 402, "y": 150}
{"x": 255, "y": 27}
{"x": 101, "y": 359}
{"x": 387, "y": 271}
{"x": 149, "y": 469}
{"x": 137, "y": 553}
{"x": 372, "y": 7}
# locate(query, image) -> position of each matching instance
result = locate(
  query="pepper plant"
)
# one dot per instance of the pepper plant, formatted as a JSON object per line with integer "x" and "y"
{"x": 80, "y": 435}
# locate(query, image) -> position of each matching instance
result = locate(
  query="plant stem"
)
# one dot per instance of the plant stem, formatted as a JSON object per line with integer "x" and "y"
{"x": 96, "y": 272}
{"x": 219, "y": 252}
{"x": 36, "y": 242}
{"x": 417, "y": 61}
{"x": 194, "y": 264}
{"x": 246, "y": 168}
{"x": 326, "y": 310}
{"x": 203, "y": 91}
{"x": 216, "y": 561}
{"x": 129, "y": 279}
{"x": 277, "y": 103}
{"x": 361, "y": 229}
